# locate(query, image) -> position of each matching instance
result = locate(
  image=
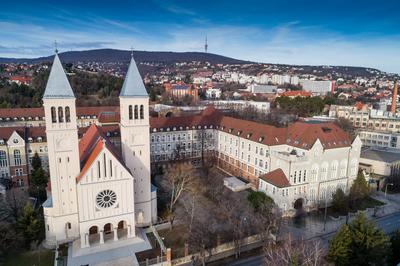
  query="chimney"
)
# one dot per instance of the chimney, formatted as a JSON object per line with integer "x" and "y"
{"x": 394, "y": 98}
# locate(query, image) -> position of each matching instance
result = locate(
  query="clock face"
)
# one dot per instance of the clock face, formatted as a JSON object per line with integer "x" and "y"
{"x": 106, "y": 198}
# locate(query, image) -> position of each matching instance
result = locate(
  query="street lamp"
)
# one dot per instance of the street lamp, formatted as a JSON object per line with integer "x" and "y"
{"x": 326, "y": 210}
{"x": 161, "y": 251}
{"x": 388, "y": 184}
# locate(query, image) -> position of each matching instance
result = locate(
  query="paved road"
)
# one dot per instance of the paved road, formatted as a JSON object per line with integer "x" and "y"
{"x": 388, "y": 224}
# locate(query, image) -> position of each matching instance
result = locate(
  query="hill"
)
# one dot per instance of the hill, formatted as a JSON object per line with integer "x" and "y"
{"x": 113, "y": 55}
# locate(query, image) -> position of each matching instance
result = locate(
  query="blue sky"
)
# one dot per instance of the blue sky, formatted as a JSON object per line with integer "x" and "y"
{"x": 324, "y": 32}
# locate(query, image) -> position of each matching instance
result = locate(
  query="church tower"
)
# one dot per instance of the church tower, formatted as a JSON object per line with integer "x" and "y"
{"x": 60, "y": 209}
{"x": 135, "y": 141}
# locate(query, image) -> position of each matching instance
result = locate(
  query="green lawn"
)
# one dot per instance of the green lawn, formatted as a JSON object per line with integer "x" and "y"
{"x": 30, "y": 258}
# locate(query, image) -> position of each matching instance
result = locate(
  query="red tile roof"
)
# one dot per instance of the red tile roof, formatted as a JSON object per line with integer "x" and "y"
{"x": 300, "y": 134}
{"x": 90, "y": 145}
{"x": 300, "y": 93}
{"x": 276, "y": 178}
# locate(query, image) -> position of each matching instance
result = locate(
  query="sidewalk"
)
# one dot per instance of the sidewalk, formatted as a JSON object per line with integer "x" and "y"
{"x": 312, "y": 226}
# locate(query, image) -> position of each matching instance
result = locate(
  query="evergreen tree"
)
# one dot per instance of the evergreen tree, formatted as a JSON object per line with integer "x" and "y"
{"x": 340, "y": 201}
{"x": 38, "y": 179}
{"x": 395, "y": 241}
{"x": 339, "y": 251}
{"x": 370, "y": 246}
{"x": 36, "y": 161}
{"x": 367, "y": 245}
{"x": 359, "y": 190}
{"x": 29, "y": 224}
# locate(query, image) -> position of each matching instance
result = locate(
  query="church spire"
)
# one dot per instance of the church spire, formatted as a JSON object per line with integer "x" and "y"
{"x": 133, "y": 84}
{"x": 57, "y": 84}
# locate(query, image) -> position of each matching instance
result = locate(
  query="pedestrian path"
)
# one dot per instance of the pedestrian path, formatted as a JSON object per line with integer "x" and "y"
{"x": 313, "y": 225}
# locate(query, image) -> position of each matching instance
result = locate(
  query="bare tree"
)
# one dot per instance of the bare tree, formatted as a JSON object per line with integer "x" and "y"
{"x": 236, "y": 211}
{"x": 289, "y": 252}
{"x": 202, "y": 237}
{"x": 180, "y": 178}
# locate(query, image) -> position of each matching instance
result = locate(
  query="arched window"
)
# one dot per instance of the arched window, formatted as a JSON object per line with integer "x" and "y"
{"x": 141, "y": 112}
{"x": 17, "y": 157}
{"x": 3, "y": 159}
{"x": 136, "y": 112}
{"x": 53, "y": 115}
{"x": 67, "y": 115}
{"x": 130, "y": 112}
{"x": 60, "y": 115}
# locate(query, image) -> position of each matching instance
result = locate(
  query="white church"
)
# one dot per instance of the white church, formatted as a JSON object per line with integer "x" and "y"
{"x": 100, "y": 197}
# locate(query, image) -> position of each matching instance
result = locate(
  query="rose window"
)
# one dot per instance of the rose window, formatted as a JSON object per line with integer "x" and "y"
{"x": 106, "y": 198}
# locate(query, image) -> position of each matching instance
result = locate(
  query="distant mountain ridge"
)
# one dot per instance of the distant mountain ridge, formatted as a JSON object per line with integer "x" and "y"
{"x": 114, "y": 55}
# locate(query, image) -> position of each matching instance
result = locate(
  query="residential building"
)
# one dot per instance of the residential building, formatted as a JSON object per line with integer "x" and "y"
{"x": 322, "y": 87}
{"x": 180, "y": 90}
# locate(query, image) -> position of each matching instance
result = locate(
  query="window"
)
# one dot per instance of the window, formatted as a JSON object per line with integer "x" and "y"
{"x": 53, "y": 115}
{"x": 60, "y": 114}
{"x": 67, "y": 115}
{"x": 130, "y": 112}
{"x": 17, "y": 157}
{"x": 3, "y": 159}
{"x": 136, "y": 112}
{"x": 98, "y": 169}
{"x": 18, "y": 172}
{"x": 141, "y": 112}
{"x": 20, "y": 182}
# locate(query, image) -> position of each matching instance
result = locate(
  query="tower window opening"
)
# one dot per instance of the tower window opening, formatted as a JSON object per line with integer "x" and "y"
{"x": 67, "y": 114}
{"x": 53, "y": 115}
{"x": 136, "y": 112}
{"x": 130, "y": 112}
{"x": 141, "y": 112}
{"x": 60, "y": 114}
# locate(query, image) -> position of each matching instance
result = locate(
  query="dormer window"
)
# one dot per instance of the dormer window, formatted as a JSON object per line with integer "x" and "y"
{"x": 260, "y": 139}
{"x": 39, "y": 139}
{"x": 239, "y": 132}
{"x": 154, "y": 130}
{"x": 30, "y": 139}
{"x": 230, "y": 130}
{"x": 248, "y": 135}
{"x": 174, "y": 128}
{"x": 168, "y": 129}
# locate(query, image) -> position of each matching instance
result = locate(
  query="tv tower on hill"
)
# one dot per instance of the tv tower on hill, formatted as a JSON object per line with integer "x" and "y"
{"x": 206, "y": 45}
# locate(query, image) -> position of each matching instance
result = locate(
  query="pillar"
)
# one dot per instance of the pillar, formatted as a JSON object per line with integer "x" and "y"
{"x": 129, "y": 231}
{"x": 87, "y": 240}
{"x": 101, "y": 237}
{"x": 116, "y": 234}
{"x": 84, "y": 241}
{"x": 169, "y": 255}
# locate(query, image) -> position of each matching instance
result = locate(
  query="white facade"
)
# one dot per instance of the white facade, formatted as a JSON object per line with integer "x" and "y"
{"x": 96, "y": 196}
{"x": 313, "y": 175}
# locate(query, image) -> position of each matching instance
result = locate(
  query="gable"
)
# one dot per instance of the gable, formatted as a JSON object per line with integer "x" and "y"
{"x": 15, "y": 140}
{"x": 102, "y": 165}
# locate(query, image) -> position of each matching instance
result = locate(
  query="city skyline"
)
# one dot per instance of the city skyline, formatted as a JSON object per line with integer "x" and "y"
{"x": 286, "y": 32}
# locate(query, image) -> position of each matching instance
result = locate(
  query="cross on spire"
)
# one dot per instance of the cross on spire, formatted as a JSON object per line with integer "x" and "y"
{"x": 131, "y": 51}
{"x": 55, "y": 47}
